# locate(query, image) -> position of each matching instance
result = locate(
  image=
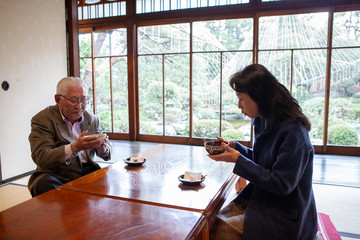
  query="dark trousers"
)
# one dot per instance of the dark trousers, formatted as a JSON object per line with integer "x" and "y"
{"x": 48, "y": 182}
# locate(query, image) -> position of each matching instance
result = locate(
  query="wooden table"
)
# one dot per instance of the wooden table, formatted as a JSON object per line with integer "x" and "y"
{"x": 156, "y": 181}
{"x": 64, "y": 214}
{"x": 120, "y": 201}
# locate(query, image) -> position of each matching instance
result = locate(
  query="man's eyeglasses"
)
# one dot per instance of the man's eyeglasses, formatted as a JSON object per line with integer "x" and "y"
{"x": 75, "y": 100}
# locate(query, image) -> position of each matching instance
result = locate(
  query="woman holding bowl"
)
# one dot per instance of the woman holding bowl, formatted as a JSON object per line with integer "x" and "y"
{"x": 278, "y": 202}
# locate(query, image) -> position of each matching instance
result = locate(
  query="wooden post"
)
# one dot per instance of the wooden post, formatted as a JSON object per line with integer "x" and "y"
{"x": 72, "y": 34}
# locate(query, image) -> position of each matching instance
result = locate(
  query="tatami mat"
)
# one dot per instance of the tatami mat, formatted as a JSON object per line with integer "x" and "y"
{"x": 341, "y": 204}
{"x": 12, "y": 194}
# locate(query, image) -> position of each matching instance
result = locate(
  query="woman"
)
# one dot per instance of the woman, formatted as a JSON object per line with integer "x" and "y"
{"x": 278, "y": 202}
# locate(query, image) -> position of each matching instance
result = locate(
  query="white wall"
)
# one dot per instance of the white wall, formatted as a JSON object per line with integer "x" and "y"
{"x": 32, "y": 60}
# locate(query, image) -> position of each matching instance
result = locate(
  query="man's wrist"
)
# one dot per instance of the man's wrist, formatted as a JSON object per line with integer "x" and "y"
{"x": 72, "y": 150}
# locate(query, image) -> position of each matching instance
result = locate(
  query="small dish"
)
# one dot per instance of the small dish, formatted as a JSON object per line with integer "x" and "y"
{"x": 214, "y": 147}
{"x": 190, "y": 183}
{"x": 134, "y": 161}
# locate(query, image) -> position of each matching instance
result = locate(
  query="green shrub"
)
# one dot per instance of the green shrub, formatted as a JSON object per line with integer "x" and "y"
{"x": 147, "y": 128}
{"x": 343, "y": 135}
{"x": 105, "y": 120}
{"x": 332, "y": 122}
{"x": 209, "y": 128}
{"x": 313, "y": 107}
{"x": 354, "y": 112}
{"x": 232, "y": 134}
{"x": 171, "y": 118}
{"x": 205, "y": 113}
{"x": 121, "y": 126}
{"x": 356, "y": 95}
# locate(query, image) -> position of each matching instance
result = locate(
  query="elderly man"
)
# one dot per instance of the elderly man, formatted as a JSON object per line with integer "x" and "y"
{"x": 60, "y": 141}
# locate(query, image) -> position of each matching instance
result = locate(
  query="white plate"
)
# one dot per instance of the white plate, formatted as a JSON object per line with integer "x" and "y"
{"x": 190, "y": 183}
{"x": 135, "y": 163}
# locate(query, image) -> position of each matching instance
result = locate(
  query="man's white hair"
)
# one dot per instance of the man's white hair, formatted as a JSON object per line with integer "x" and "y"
{"x": 64, "y": 84}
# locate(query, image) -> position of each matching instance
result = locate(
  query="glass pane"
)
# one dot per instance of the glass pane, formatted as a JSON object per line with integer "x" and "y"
{"x": 101, "y": 44}
{"x": 308, "y": 87}
{"x": 86, "y": 65}
{"x": 151, "y": 94}
{"x": 86, "y": 74}
{"x": 100, "y": 10}
{"x": 173, "y": 38}
{"x": 107, "y": 43}
{"x": 278, "y": 63}
{"x": 80, "y": 17}
{"x": 85, "y": 44}
{"x": 344, "y": 109}
{"x": 147, "y": 6}
{"x": 177, "y": 95}
{"x": 85, "y": 12}
{"x": 94, "y": 11}
{"x": 223, "y": 35}
{"x": 293, "y": 31}
{"x": 118, "y": 42}
{"x": 346, "y": 29}
{"x": 120, "y": 94}
{"x": 110, "y": 43}
{"x": 206, "y": 95}
{"x": 231, "y": 114}
{"x": 91, "y": 1}
{"x": 103, "y": 97}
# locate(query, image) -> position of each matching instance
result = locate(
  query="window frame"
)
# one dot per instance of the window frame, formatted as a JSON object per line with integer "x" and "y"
{"x": 254, "y": 9}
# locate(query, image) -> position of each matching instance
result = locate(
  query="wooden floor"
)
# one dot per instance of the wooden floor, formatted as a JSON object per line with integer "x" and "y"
{"x": 336, "y": 183}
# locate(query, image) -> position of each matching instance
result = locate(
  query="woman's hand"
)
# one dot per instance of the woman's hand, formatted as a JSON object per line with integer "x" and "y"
{"x": 231, "y": 155}
{"x": 228, "y": 142}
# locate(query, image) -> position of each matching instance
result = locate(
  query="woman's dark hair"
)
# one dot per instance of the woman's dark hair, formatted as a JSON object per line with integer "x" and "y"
{"x": 274, "y": 101}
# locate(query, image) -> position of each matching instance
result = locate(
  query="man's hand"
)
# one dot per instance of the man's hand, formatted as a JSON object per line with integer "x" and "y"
{"x": 103, "y": 147}
{"x": 84, "y": 142}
